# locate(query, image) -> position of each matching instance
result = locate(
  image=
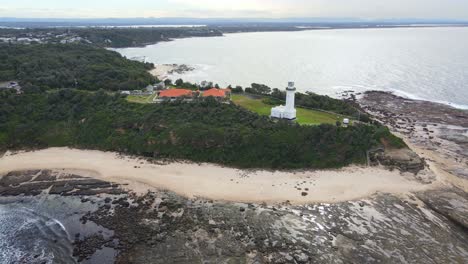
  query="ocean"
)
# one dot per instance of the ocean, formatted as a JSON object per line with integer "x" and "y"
{"x": 419, "y": 63}
{"x": 41, "y": 230}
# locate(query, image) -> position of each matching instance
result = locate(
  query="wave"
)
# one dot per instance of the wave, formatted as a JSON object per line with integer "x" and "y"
{"x": 415, "y": 97}
{"x": 337, "y": 90}
{"x": 29, "y": 237}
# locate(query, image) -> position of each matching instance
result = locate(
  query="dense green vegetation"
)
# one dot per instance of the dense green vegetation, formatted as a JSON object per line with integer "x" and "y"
{"x": 130, "y": 37}
{"x": 205, "y": 131}
{"x": 112, "y": 37}
{"x": 304, "y": 116}
{"x": 71, "y": 66}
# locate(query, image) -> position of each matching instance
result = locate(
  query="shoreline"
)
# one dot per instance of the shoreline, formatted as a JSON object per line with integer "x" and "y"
{"x": 104, "y": 224}
{"x": 164, "y": 71}
{"x": 436, "y": 132}
{"x": 210, "y": 181}
{"x": 411, "y": 97}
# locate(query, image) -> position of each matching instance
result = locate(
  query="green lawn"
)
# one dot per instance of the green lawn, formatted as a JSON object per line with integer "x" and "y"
{"x": 141, "y": 99}
{"x": 304, "y": 116}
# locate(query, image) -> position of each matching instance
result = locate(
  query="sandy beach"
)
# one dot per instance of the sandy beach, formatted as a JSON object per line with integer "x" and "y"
{"x": 218, "y": 183}
{"x": 161, "y": 71}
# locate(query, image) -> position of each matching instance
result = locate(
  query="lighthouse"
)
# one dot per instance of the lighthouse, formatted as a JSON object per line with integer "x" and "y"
{"x": 288, "y": 111}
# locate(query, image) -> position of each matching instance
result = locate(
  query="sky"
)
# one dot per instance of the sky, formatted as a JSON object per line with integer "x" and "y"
{"x": 366, "y": 9}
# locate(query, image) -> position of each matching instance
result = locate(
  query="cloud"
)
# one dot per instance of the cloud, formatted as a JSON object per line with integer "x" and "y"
{"x": 455, "y": 9}
{"x": 333, "y": 8}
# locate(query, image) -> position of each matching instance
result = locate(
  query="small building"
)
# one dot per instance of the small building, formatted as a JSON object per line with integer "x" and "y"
{"x": 125, "y": 92}
{"x": 174, "y": 94}
{"x": 288, "y": 111}
{"x": 150, "y": 88}
{"x": 346, "y": 122}
{"x": 136, "y": 92}
{"x": 218, "y": 93}
{"x": 160, "y": 86}
{"x": 12, "y": 85}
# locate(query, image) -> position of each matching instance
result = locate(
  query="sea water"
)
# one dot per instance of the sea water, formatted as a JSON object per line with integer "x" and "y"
{"x": 41, "y": 229}
{"x": 420, "y": 63}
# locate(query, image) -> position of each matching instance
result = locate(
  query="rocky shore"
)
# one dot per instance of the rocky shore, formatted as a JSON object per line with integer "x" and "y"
{"x": 163, "y": 71}
{"x": 437, "y": 133}
{"x": 162, "y": 227}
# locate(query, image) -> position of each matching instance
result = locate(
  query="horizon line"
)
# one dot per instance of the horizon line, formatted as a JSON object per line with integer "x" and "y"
{"x": 240, "y": 18}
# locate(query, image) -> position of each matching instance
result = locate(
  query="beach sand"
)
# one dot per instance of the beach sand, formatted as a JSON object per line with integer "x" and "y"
{"x": 216, "y": 182}
{"x": 161, "y": 71}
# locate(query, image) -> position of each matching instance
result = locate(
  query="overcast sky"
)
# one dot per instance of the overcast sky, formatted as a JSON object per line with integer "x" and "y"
{"x": 372, "y": 9}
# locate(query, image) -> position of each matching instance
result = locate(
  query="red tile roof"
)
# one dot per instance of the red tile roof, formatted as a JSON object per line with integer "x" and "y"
{"x": 175, "y": 93}
{"x": 216, "y": 92}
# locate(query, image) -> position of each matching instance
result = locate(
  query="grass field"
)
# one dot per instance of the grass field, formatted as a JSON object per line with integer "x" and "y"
{"x": 141, "y": 99}
{"x": 304, "y": 116}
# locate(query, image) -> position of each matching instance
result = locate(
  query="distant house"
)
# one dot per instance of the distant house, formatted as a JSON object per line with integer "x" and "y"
{"x": 137, "y": 92}
{"x": 141, "y": 92}
{"x": 125, "y": 92}
{"x": 160, "y": 86}
{"x": 71, "y": 40}
{"x": 150, "y": 88}
{"x": 12, "y": 85}
{"x": 346, "y": 122}
{"x": 218, "y": 93}
{"x": 174, "y": 94}
{"x": 5, "y": 39}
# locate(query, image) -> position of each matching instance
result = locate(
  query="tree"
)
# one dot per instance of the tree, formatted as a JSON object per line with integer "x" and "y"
{"x": 168, "y": 82}
{"x": 202, "y": 131}
{"x": 29, "y": 88}
{"x": 277, "y": 93}
{"x": 179, "y": 82}
{"x": 51, "y": 66}
{"x": 237, "y": 89}
{"x": 260, "y": 89}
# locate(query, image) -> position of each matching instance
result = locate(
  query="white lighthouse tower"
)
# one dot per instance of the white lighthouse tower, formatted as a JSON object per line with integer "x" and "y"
{"x": 288, "y": 111}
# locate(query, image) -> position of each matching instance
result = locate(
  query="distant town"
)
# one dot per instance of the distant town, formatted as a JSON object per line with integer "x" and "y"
{"x": 139, "y": 32}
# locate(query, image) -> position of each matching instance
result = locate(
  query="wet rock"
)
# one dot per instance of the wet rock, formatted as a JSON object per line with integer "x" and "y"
{"x": 451, "y": 203}
{"x": 162, "y": 208}
{"x": 192, "y": 231}
{"x": 403, "y": 159}
{"x": 17, "y": 177}
{"x": 124, "y": 204}
{"x": 35, "y": 182}
{"x": 301, "y": 257}
{"x": 88, "y": 246}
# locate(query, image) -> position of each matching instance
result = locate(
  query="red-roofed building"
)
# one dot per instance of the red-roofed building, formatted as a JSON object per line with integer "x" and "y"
{"x": 173, "y": 94}
{"x": 218, "y": 93}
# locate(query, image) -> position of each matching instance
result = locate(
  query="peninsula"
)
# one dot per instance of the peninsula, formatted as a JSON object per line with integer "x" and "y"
{"x": 117, "y": 166}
